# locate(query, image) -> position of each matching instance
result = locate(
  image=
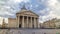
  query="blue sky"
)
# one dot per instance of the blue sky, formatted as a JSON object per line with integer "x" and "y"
{"x": 46, "y": 9}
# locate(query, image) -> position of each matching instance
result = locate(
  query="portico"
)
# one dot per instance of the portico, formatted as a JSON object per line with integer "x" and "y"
{"x": 27, "y": 22}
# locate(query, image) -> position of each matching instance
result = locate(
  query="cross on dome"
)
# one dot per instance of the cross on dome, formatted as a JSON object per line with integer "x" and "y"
{"x": 23, "y": 8}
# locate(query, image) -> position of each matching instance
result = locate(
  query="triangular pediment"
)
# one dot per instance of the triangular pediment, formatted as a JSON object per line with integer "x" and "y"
{"x": 28, "y": 13}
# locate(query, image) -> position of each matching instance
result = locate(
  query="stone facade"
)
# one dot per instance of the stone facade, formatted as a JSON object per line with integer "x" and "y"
{"x": 50, "y": 23}
{"x": 27, "y": 19}
{"x": 24, "y": 19}
{"x": 4, "y": 25}
{"x": 12, "y": 23}
{"x": 57, "y": 23}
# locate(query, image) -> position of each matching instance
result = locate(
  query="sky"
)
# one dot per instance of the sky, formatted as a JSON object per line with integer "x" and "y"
{"x": 46, "y": 9}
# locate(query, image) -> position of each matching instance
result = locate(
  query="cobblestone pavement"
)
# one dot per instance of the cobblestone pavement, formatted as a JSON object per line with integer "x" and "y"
{"x": 29, "y": 31}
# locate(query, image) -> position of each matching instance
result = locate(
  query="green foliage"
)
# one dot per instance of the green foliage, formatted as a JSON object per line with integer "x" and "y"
{"x": 57, "y": 33}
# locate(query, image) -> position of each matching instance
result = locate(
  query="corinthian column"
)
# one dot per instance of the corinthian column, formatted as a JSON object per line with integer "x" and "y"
{"x": 37, "y": 23}
{"x": 27, "y": 22}
{"x": 23, "y": 22}
{"x": 34, "y": 22}
{"x": 31, "y": 22}
{"x": 18, "y": 20}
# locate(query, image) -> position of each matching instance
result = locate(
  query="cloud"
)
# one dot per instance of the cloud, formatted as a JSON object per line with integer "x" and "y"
{"x": 51, "y": 11}
{"x": 47, "y": 9}
{"x": 55, "y": 8}
{"x": 8, "y": 8}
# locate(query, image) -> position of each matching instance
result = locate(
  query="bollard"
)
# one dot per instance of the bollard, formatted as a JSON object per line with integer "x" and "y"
{"x": 44, "y": 33}
{"x": 33, "y": 33}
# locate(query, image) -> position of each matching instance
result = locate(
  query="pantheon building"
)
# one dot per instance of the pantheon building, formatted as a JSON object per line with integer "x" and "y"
{"x": 24, "y": 19}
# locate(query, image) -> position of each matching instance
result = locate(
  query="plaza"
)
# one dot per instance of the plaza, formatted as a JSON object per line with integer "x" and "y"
{"x": 29, "y": 31}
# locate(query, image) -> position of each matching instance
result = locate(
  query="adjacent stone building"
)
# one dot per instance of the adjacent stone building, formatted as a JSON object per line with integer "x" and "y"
{"x": 50, "y": 23}
{"x": 24, "y": 19}
{"x": 12, "y": 23}
{"x": 4, "y": 25}
{"x": 57, "y": 23}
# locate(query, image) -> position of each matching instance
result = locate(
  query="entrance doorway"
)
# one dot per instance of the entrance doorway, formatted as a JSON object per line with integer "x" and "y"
{"x": 19, "y": 25}
{"x": 33, "y": 25}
